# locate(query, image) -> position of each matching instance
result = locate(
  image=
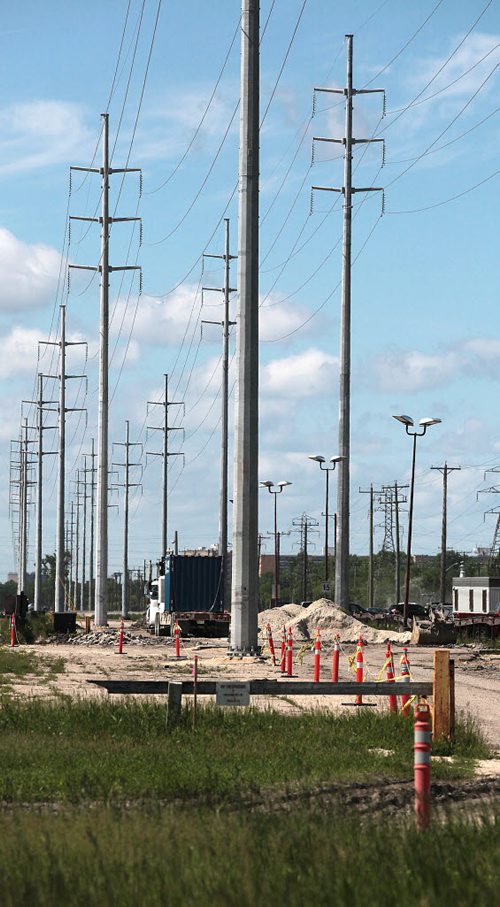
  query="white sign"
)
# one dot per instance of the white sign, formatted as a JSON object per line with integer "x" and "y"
{"x": 232, "y": 693}
{"x": 326, "y": 588}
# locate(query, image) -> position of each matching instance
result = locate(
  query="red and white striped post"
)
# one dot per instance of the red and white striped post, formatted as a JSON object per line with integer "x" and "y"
{"x": 405, "y": 678}
{"x": 270, "y": 642}
{"x": 317, "y": 656}
{"x": 389, "y": 657}
{"x": 289, "y": 653}
{"x": 120, "y": 638}
{"x": 283, "y": 651}
{"x": 422, "y": 764}
{"x": 359, "y": 667}
{"x": 177, "y": 632}
{"x": 12, "y": 630}
{"x": 335, "y": 660}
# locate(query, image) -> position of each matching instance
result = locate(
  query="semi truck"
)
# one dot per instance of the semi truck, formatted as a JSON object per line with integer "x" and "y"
{"x": 188, "y": 590}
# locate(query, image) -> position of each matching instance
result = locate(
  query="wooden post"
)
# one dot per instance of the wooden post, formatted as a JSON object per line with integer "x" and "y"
{"x": 452, "y": 698}
{"x": 441, "y": 694}
{"x": 195, "y": 688}
{"x": 174, "y": 701}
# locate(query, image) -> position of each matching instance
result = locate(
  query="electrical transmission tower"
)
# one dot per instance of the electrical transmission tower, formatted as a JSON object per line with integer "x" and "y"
{"x": 90, "y": 470}
{"x": 165, "y": 453}
{"x": 347, "y": 190}
{"x": 226, "y": 324}
{"x": 495, "y": 545}
{"x": 21, "y": 476}
{"x": 126, "y": 485}
{"x": 306, "y": 525}
{"x": 42, "y": 407}
{"x": 60, "y": 592}
{"x": 104, "y": 269}
{"x": 445, "y": 471}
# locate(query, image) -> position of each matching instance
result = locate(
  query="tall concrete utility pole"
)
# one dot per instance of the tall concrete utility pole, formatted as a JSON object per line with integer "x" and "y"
{"x": 226, "y": 324}
{"x": 165, "y": 453}
{"x": 23, "y": 509}
{"x": 244, "y": 591}
{"x": 127, "y": 444}
{"x": 78, "y": 504}
{"x": 104, "y": 269}
{"x": 343, "y": 492}
{"x": 83, "y": 472}
{"x": 445, "y": 471}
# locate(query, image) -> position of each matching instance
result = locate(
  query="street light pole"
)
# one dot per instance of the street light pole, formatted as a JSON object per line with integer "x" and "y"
{"x": 280, "y": 486}
{"x": 327, "y": 470}
{"x": 424, "y": 424}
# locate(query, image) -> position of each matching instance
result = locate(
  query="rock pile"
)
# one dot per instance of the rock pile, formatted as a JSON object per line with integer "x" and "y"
{"x": 330, "y": 619}
{"x": 108, "y": 637}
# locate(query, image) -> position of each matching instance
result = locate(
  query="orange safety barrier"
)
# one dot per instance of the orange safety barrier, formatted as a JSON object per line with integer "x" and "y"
{"x": 393, "y": 701}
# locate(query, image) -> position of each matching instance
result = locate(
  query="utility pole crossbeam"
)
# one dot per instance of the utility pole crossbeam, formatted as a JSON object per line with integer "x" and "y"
{"x": 104, "y": 269}
{"x": 226, "y": 324}
{"x": 343, "y": 493}
{"x": 126, "y": 485}
{"x": 445, "y": 471}
{"x": 245, "y": 585}
{"x": 165, "y": 453}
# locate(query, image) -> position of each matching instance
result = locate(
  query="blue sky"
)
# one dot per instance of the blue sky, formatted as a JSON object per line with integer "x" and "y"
{"x": 425, "y": 277}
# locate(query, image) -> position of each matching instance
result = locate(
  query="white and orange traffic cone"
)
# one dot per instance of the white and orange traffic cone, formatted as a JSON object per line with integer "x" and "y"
{"x": 317, "y": 656}
{"x": 393, "y": 700}
{"x": 289, "y": 653}
{"x": 283, "y": 651}
{"x": 270, "y": 642}
{"x": 359, "y": 668}
{"x": 422, "y": 764}
{"x": 120, "y": 638}
{"x": 405, "y": 678}
{"x": 335, "y": 660}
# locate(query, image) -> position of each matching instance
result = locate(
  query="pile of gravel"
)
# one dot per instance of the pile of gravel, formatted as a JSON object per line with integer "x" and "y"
{"x": 109, "y": 637}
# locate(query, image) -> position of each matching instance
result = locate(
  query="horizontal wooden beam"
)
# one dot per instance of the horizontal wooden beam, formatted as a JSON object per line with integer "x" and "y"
{"x": 271, "y": 687}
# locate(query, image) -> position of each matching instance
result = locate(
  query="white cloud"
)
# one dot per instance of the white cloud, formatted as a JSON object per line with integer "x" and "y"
{"x": 301, "y": 375}
{"x": 157, "y": 322}
{"x": 413, "y": 370}
{"x": 19, "y": 351}
{"x": 41, "y": 133}
{"x": 28, "y": 273}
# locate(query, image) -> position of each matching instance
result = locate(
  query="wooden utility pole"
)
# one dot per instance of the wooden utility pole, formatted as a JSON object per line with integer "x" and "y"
{"x": 445, "y": 471}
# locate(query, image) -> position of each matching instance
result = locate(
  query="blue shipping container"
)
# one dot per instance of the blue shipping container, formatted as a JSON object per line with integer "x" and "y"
{"x": 194, "y": 583}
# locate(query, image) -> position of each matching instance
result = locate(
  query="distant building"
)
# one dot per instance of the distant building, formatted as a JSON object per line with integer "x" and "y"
{"x": 12, "y": 578}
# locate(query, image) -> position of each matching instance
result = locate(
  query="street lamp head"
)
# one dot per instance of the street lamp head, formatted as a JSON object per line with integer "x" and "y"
{"x": 283, "y": 484}
{"x": 428, "y": 421}
{"x": 406, "y": 420}
{"x": 337, "y": 459}
{"x": 317, "y": 457}
{"x": 266, "y": 484}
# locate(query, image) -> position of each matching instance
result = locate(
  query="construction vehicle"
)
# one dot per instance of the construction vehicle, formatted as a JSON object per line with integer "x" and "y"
{"x": 188, "y": 590}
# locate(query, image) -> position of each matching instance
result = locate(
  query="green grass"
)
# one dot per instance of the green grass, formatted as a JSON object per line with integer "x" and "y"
{"x": 73, "y": 751}
{"x": 178, "y": 857}
{"x": 33, "y": 629}
{"x": 20, "y": 663}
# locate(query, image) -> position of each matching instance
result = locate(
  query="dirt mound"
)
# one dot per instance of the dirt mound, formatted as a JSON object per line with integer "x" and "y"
{"x": 330, "y": 619}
